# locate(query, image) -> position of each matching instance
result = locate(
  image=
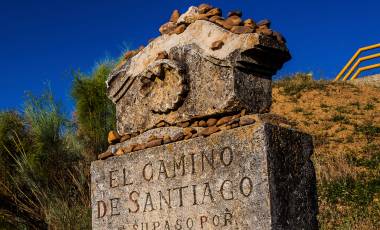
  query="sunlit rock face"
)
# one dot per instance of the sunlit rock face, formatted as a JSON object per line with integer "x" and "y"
{"x": 255, "y": 177}
{"x": 208, "y": 70}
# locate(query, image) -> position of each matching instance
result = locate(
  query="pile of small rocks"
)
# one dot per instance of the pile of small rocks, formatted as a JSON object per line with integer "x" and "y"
{"x": 190, "y": 129}
{"x": 234, "y": 23}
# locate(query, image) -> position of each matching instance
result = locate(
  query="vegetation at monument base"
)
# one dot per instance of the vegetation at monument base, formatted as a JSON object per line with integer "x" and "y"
{"x": 45, "y": 155}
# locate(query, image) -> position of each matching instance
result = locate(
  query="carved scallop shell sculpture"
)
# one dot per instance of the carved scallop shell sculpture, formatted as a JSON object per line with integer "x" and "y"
{"x": 163, "y": 86}
{"x": 193, "y": 80}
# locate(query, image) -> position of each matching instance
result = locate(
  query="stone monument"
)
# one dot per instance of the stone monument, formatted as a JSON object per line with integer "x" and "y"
{"x": 195, "y": 146}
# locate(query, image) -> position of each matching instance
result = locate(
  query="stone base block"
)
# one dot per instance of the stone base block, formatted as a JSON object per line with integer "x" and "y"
{"x": 254, "y": 177}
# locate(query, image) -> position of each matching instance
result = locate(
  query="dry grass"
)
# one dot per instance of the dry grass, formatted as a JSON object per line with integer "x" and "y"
{"x": 344, "y": 120}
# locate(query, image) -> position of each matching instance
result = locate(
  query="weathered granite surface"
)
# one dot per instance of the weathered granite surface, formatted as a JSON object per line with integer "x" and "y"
{"x": 195, "y": 80}
{"x": 202, "y": 80}
{"x": 253, "y": 177}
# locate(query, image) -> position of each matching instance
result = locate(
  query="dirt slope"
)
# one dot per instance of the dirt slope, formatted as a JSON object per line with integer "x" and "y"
{"x": 344, "y": 120}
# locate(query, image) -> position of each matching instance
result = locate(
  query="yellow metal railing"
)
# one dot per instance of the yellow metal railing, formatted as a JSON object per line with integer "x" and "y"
{"x": 356, "y": 64}
{"x": 363, "y": 69}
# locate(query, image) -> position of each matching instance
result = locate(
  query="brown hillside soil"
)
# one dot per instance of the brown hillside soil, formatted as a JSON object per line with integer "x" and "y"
{"x": 344, "y": 121}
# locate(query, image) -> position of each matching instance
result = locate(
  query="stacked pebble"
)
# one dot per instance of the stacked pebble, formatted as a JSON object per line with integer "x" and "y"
{"x": 234, "y": 23}
{"x": 195, "y": 128}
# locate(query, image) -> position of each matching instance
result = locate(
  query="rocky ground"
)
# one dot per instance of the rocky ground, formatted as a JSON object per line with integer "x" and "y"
{"x": 373, "y": 79}
{"x": 344, "y": 120}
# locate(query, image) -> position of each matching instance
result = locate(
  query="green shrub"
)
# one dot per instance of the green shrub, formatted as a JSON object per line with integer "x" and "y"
{"x": 95, "y": 113}
{"x": 341, "y": 109}
{"x": 356, "y": 104}
{"x": 369, "y": 130}
{"x": 298, "y": 110}
{"x": 351, "y": 191}
{"x": 339, "y": 118}
{"x": 299, "y": 82}
{"x": 47, "y": 177}
{"x": 44, "y": 179}
{"x": 370, "y": 160}
{"x": 11, "y": 127}
{"x": 48, "y": 125}
{"x": 369, "y": 106}
{"x": 324, "y": 106}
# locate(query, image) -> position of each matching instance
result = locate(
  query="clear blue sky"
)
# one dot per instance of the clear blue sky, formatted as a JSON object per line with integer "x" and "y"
{"x": 42, "y": 41}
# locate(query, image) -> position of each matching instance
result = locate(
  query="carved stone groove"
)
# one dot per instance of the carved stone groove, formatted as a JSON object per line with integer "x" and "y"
{"x": 163, "y": 86}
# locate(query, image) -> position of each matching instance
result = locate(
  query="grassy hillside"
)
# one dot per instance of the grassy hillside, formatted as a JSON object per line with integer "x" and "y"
{"x": 344, "y": 120}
